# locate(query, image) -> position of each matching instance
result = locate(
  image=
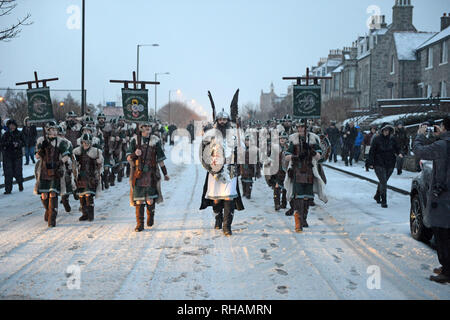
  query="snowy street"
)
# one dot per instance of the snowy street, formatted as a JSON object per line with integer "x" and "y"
{"x": 183, "y": 257}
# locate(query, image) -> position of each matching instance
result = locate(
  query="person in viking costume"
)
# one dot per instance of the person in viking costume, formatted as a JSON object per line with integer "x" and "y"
{"x": 303, "y": 154}
{"x": 96, "y": 142}
{"x": 276, "y": 181}
{"x": 146, "y": 159}
{"x": 72, "y": 128}
{"x": 219, "y": 157}
{"x": 248, "y": 169}
{"x": 67, "y": 172}
{"x": 53, "y": 152}
{"x": 125, "y": 139}
{"x": 88, "y": 167}
{"x": 106, "y": 129}
{"x": 115, "y": 143}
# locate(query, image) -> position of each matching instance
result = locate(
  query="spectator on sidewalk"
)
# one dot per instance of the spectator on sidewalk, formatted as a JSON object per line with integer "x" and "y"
{"x": 366, "y": 145}
{"x": 382, "y": 158}
{"x": 358, "y": 142}
{"x": 437, "y": 212}
{"x": 30, "y": 136}
{"x": 11, "y": 145}
{"x": 402, "y": 142}
{"x": 348, "y": 141}
{"x": 333, "y": 136}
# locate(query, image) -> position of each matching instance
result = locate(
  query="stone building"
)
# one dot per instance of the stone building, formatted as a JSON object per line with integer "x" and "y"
{"x": 268, "y": 100}
{"x": 390, "y": 62}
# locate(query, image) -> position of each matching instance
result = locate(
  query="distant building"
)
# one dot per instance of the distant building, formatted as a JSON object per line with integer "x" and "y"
{"x": 390, "y": 62}
{"x": 268, "y": 100}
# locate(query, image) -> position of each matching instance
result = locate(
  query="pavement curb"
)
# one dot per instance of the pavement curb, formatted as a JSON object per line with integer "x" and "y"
{"x": 24, "y": 179}
{"x": 404, "y": 192}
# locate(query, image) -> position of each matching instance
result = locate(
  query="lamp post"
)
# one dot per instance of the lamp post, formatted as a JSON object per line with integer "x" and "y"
{"x": 137, "y": 63}
{"x": 156, "y": 87}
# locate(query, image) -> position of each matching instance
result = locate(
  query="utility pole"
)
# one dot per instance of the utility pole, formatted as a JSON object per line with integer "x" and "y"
{"x": 83, "y": 96}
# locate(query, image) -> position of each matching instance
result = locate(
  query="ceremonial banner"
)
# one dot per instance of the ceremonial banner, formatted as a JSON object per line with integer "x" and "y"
{"x": 40, "y": 107}
{"x": 135, "y": 105}
{"x": 307, "y": 102}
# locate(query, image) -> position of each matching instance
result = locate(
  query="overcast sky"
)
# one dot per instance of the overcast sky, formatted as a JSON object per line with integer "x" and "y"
{"x": 217, "y": 45}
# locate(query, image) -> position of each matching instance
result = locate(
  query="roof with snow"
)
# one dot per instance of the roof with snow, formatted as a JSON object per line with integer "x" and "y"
{"x": 437, "y": 37}
{"x": 406, "y": 43}
{"x": 338, "y": 69}
{"x": 333, "y": 63}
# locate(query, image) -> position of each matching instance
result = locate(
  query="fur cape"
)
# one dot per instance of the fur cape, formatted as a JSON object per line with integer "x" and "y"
{"x": 93, "y": 153}
{"x": 37, "y": 167}
{"x": 319, "y": 184}
{"x": 76, "y": 127}
{"x": 153, "y": 141}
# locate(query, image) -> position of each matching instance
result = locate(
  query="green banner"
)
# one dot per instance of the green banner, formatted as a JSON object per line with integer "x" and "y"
{"x": 307, "y": 102}
{"x": 135, "y": 105}
{"x": 40, "y": 107}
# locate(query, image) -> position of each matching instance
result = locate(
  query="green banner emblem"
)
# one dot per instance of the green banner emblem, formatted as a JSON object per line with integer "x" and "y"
{"x": 40, "y": 107}
{"x": 307, "y": 102}
{"x": 135, "y": 105}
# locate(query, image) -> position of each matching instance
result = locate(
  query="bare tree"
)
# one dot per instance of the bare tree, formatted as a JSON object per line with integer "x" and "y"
{"x": 178, "y": 113}
{"x": 6, "y": 34}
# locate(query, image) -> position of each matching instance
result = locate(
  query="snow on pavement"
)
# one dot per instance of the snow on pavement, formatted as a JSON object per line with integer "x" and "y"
{"x": 183, "y": 257}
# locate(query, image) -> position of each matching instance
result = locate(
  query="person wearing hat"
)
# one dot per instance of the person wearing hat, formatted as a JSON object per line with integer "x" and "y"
{"x": 382, "y": 158}
{"x": 105, "y": 129}
{"x": 402, "y": 141}
{"x": 11, "y": 144}
{"x": 53, "y": 152}
{"x": 88, "y": 163}
{"x": 276, "y": 181}
{"x": 221, "y": 190}
{"x": 67, "y": 172}
{"x": 72, "y": 128}
{"x": 302, "y": 154}
{"x": 248, "y": 169}
{"x": 146, "y": 161}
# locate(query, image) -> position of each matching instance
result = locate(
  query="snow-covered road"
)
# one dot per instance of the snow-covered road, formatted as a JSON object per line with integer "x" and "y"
{"x": 183, "y": 257}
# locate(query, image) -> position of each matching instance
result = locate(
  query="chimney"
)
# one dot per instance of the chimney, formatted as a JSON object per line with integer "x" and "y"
{"x": 445, "y": 21}
{"x": 402, "y": 16}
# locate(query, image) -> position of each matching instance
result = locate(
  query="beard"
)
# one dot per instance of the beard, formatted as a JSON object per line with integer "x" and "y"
{"x": 223, "y": 128}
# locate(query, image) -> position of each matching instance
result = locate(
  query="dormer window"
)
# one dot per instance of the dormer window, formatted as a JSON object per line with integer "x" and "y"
{"x": 392, "y": 64}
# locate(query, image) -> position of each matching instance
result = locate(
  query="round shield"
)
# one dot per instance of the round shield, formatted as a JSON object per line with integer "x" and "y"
{"x": 212, "y": 156}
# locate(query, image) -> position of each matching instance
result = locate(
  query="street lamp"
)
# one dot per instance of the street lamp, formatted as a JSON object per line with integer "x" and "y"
{"x": 156, "y": 87}
{"x": 2, "y": 99}
{"x": 137, "y": 64}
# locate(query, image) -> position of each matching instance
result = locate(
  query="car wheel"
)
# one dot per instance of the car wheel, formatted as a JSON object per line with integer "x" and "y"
{"x": 418, "y": 230}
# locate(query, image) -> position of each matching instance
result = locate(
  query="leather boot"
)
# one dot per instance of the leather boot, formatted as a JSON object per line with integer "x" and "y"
{"x": 283, "y": 200}
{"x": 83, "y": 205}
{"x": 65, "y": 202}
{"x": 290, "y": 212}
{"x": 228, "y": 211}
{"x": 305, "y": 214}
{"x": 90, "y": 208}
{"x": 45, "y": 204}
{"x": 219, "y": 216}
{"x": 298, "y": 222}
{"x": 276, "y": 198}
{"x": 128, "y": 170}
{"x": 112, "y": 178}
{"x": 383, "y": 201}
{"x": 151, "y": 215}
{"x": 106, "y": 179}
{"x": 377, "y": 197}
{"x": 139, "y": 218}
{"x": 53, "y": 211}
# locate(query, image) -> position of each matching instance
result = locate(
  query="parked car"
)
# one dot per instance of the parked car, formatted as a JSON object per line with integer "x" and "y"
{"x": 419, "y": 188}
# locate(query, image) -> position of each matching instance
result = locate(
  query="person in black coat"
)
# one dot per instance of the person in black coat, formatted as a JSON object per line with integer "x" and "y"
{"x": 382, "y": 157}
{"x": 402, "y": 141}
{"x": 333, "y": 135}
{"x": 30, "y": 137}
{"x": 349, "y": 135}
{"x": 11, "y": 144}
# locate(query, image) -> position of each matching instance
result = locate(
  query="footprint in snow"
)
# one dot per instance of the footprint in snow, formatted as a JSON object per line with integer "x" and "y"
{"x": 267, "y": 257}
{"x": 281, "y": 272}
{"x": 323, "y": 240}
{"x": 263, "y": 250}
{"x": 352, "y": 285}
{"x": 337, "y": 259}
{"x": 395, "y": 254}
{"x": 282, "y": 290}
{"x": 323, "y": 232}
{"x": 354, "y": 272}
{"x": 399, "y": 245}
{"x": 425, "y": 266}
{"x": 187, "y": 240}
{"x": 279, "y": 265}
{"x": 273, "y": 245}
{"x": 340, "y": 250}
{"x": 265, "y": 235}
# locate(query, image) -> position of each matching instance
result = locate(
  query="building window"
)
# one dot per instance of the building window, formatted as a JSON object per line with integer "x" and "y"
{"x": 392, "y": 64}
{"x": 336, "y": 81}
{"x": 429, "y": 58}
{"x": 443, "y": 89}
{"x": 420, "y": 91}
{"x": 351, "y": 78}
{"x": 444, "y": 52}
{"x": 429, "y": 90}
